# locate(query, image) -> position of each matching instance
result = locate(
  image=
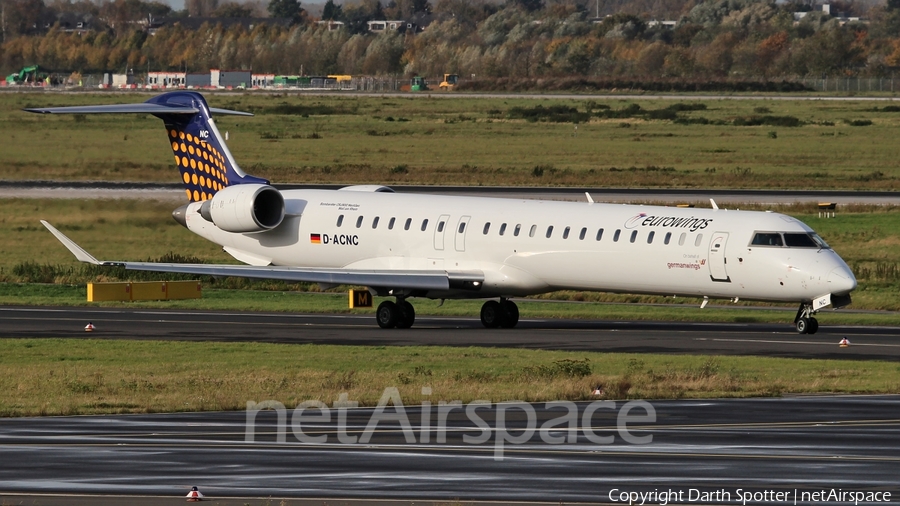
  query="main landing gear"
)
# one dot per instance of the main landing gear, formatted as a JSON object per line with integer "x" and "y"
{"x": 402, "y": 315}
{"x": 503, "y": 314}
{"x": 805, "y": 322}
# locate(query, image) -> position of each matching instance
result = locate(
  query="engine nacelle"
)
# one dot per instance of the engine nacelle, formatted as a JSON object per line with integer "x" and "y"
{"x": 245, "y": 208}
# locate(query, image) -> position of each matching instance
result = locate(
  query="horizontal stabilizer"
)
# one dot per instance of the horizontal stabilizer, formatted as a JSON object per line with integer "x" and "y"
{"x": 142, "y": 108}
{"x": 408, "y": 279}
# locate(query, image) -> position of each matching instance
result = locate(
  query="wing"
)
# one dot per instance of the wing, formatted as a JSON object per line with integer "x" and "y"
{"x": 408, "y": 279}
{"x": 142, "y": 108}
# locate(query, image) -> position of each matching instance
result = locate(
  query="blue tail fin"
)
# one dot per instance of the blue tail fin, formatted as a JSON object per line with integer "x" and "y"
{"x": 201, "y": 155}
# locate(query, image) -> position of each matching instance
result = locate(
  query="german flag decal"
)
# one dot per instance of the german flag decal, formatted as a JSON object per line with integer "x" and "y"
{"x": 315, "y": 238}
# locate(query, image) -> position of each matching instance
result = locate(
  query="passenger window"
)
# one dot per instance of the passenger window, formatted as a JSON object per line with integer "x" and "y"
{"x": 681, "y": 239}
{"x": 532, "y": 231}
{"x": 549, "y": 231}
{"x": 424, "y": 224}
{"x": 800, "y": 240}
{"x": 582, "y": 234}
{"x": 408, "y": 223}
{"x": 650, "y": 237}
{"x": 375, "y": 222}
{"x": 633, "y": 235}
{"x": 462, "y": 227}
{"x": 487, "y": 227}
{"x": 502, "y": 228}
{"x": 359, "y": 222}
{"x": 767, "y": 239}
{"x": 616, "y": 235}
{"x": 600, "y": 234}
{"x": 698, "y": 240}
{"x": 517, "y": 230}
{"x": 391, "y": 223}
{"x": 566, "y": 233}
{"x": 668, "y": 238}
{"x": 440, "y": 226}
{"x": 340, "y": 220}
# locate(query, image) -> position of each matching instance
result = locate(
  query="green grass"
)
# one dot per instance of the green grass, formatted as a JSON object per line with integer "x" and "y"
{"x": 84, "y": 376}
{"x": 477, "y": 142}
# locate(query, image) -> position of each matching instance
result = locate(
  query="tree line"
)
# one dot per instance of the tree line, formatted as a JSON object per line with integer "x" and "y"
{"x": 713, "y": 39}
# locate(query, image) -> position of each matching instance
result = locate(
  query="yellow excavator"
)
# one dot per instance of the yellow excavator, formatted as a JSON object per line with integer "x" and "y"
{"x": 449, "y": 82}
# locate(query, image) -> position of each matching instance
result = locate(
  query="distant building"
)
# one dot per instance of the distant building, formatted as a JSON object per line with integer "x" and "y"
{"x": 383, "y": 26}
{"x": 230, "y": 78}
{"x": 166, "y": 79}
{"x": 197, "y": 80}
{"x": 331, "y": 24}
{"x": 262, "y": 80}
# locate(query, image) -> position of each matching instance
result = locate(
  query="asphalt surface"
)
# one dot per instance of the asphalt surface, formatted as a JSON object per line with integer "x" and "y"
{"x": 725, "y": 448}
{"x": 867, "y": 343}
{"x": 175, "y": 193}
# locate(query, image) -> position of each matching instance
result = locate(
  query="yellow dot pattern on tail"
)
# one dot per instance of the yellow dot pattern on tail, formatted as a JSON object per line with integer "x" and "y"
{"x": 202, "y": 166}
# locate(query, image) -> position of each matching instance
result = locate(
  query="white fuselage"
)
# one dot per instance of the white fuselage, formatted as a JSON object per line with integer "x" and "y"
{"x": 642, "y": 249}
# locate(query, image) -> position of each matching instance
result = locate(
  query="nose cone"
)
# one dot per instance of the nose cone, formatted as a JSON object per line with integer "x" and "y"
{"x": 841, "y": 280}
{"x": 180, "y": 215}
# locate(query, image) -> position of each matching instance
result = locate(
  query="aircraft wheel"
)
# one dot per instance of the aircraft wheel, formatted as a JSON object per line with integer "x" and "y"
{"x": 813, "y": 326}
{"x": 387, "y": 315}
{"x": 491, "y": 315}
{"x": 803, "y": 325}
{"x": 510, "y": 314}
{"x": 407, "y": 315}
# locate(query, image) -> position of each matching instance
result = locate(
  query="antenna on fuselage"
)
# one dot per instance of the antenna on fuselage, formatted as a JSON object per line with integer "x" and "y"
{"x": 588, "y": 195}
{"x": 713, "y": 202}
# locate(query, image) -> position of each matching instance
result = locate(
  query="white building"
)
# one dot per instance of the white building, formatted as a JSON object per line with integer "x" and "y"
{"x": 381, "y": 26}
{"x": 263, "y": 80}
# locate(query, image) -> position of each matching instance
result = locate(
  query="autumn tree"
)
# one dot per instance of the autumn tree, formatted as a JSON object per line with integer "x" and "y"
{"x": 286, "y": 9}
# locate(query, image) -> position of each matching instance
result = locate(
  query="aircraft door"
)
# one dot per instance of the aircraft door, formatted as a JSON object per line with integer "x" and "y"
{"x": 717, "y": 262}
{"x": 440, "y": 231}
{"x": 461, "y": 229}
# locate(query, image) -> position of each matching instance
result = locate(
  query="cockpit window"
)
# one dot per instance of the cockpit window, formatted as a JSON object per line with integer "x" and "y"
{"x": 821, "y": 242}
{"x": 799, "y": 240}
{"x": 789, "y": 239}
{"x": 767, "y": 239}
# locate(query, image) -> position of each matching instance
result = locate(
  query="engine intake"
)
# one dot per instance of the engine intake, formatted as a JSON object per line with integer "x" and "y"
{"x": 245, "y": 208}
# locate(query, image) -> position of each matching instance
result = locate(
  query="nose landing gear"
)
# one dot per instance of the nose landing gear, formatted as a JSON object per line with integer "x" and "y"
{"x": 805, "y": 322}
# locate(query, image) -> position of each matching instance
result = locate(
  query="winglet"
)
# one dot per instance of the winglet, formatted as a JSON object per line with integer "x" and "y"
{"x": 76, "y": 250}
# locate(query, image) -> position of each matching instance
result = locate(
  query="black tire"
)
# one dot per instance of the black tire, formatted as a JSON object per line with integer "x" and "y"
{"x": 491, "y": 316}
{"x": 803, "y": 326}
{"x": 387, "y": 315}
{"x": 407, "y": 315}
{"x": 510, "y": 313}
{"x": 813, "y": 326}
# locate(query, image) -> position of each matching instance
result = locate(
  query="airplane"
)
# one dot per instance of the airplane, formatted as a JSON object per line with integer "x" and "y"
{"x": 405, "y": 245}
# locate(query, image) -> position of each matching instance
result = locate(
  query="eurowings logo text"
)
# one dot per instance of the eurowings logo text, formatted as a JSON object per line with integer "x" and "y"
{"x": 693, "y": 224}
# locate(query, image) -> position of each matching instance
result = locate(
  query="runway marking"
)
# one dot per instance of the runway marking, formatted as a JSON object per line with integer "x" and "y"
{"x": 417, "y": 429}
{"x": 486, "y": 448}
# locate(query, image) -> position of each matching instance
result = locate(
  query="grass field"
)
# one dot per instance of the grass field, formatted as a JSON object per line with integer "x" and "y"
{"x": 67, "y": 377}
{"x": 663, "y": 143}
